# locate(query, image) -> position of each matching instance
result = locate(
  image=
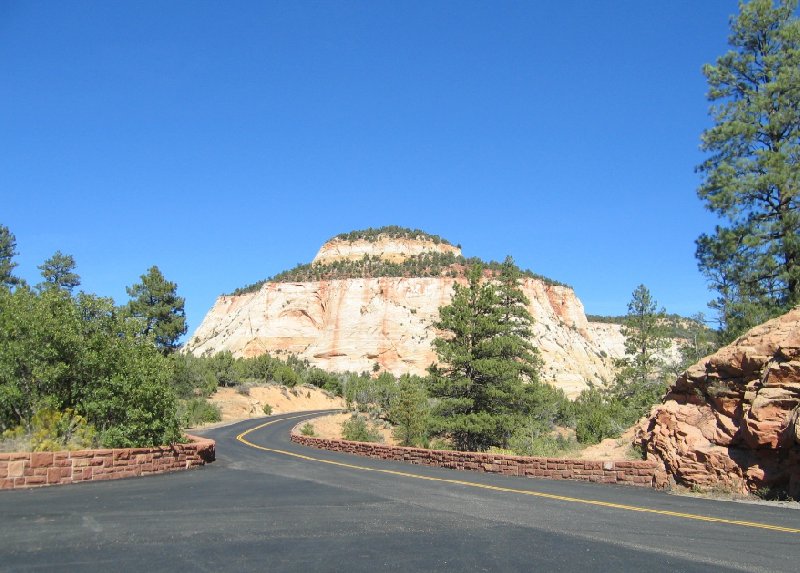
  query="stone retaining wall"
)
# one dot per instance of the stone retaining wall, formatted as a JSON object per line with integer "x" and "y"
{"x": 33, "y": 469}
{"x": 628, "y": 472}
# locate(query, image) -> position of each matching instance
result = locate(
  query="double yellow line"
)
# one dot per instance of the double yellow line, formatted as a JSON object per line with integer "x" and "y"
{"x": 243, "y": 439}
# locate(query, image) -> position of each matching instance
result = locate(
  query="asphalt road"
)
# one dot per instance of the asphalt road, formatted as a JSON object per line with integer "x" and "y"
{"x": 275, "y": 506}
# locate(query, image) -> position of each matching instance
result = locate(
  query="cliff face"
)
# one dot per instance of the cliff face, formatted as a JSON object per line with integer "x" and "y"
{"x": 395, "y": 250}
{"x": 351, "y": 324}
{"x": 733, "y": 419}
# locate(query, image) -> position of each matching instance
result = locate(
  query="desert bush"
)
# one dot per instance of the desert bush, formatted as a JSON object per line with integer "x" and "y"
{"x": 308, "y": 429}
{"x": 357, "y": 429}
{"x": 196, "y": 411}
{"x": 53, "y": 430}
{"x": 267, "y": 409}
{"x": 531, "y": 439}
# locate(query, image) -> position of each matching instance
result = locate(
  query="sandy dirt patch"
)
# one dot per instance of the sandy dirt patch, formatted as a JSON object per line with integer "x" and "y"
{"x": 235, "y": 405}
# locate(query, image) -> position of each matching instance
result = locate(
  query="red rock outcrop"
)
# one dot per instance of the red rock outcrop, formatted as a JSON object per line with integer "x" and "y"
{"x": 733, "y": 419}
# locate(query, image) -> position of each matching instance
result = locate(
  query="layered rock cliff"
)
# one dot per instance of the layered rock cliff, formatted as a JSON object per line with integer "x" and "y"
{"x": 733, "y": 419}
{"x": 354, "y": 323}
{"x": 395, "y": 250}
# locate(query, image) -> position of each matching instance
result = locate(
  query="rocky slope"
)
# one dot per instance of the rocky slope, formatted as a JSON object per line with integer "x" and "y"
{"x": 733, "y": 419}
{"x": 354, "y": 323}
{"x": 392, "y": 249}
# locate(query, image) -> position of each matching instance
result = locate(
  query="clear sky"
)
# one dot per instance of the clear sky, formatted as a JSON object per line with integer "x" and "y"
{"x": 226, "y": 141}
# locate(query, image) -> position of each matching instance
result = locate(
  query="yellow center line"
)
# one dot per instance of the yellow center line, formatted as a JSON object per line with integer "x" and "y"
{"x": 242, "y": 438}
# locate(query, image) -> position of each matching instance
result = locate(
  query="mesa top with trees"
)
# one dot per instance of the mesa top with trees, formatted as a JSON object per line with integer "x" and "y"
{"x": 426, "y": 264}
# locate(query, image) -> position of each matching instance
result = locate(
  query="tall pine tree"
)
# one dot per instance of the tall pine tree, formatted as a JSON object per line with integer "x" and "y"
{"x": 59, "y": 272}
{"x": 480, "y": 389}
{"x": 641, "y": 376}
{"x": 8, "y": 250}
{"x": 752, "y": 175}
{"x": 155, "y": 300}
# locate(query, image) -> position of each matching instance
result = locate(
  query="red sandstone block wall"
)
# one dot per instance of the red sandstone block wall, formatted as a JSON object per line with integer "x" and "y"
{"x": 31, "y": 469}
{"x": 628, "y": 472}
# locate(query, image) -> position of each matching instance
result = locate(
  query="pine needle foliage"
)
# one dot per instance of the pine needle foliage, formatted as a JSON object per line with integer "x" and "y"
{"x": 487, "y": 380}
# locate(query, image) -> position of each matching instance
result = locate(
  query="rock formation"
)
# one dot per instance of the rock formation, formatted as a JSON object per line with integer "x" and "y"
{"x": 393, "y": 249}
{"x": 732, "y": 420}
{"x": 354, "y": 323}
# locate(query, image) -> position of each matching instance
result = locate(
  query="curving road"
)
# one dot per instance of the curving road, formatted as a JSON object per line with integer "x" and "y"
{"x": 269, "y": 505}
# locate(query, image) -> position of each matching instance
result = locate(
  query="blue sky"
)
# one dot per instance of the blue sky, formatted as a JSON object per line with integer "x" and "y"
{"x": 225, "y": 142}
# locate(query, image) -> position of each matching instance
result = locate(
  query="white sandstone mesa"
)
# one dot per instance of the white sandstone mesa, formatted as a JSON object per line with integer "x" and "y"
{"x": 351, "y": 324}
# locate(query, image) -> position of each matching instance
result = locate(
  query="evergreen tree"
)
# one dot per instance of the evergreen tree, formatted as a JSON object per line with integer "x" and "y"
{"x": 59, "y": 272}
{"x": 8, "y": 250}
{"x": 479, "y": 386}
{"x": 645, "y": 338}
{"x": 156, "y": 302}
{"x": 752, "y": 176}
{"x": 408, "y": 411}
{"x": 641, "y": 376}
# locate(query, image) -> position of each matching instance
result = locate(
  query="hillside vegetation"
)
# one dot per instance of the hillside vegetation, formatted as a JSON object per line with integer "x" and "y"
{"x": 391, "y": 232}
{"x": 431, "y": 264}
{"x": 675, "y": 325}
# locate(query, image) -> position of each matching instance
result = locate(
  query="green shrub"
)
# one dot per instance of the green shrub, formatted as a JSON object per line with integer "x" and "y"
{"x": 527, "y": 441}
{"x": 308, "y": 429}
{"x": 197, "y": 411}
{"x": 267, "y": 409}
{"x": 52, "y": 430}
{"x": 287, "y": 376}
{"x": 440, "y": 444}
{"x": 357, "y": 429}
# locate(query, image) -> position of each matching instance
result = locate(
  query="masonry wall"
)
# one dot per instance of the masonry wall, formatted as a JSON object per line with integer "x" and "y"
{"x": 628, "y": 472}
{"x": 32, "y": 469}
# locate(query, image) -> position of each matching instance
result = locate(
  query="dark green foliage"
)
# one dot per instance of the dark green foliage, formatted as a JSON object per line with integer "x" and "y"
{"x": 598, "y": 417}
{"x": 408, "y": 411}
{"x": 645, "y": 339}
{"x": 78, "y": 353}
{"x": 59, "y": 272}
{"x": 201, "y": 375}
{"x": 357, "y": 429}
{"x": 8, "y": 250}
{"x": 286, "y": 376}
{"x": 370, "y": 394}
{"x": 751, "y": 178}
{"x": 192, "y": 376}
{"x": 487, "y": 380}
{"x": 641, "y": 379}
{"x": 155, "y": 301}
{"x": 424, "y": 265}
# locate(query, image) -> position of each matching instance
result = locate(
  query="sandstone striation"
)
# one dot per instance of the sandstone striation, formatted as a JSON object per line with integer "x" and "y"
{"x": 352, "y": 324}
{"x": 733, "y": 419}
